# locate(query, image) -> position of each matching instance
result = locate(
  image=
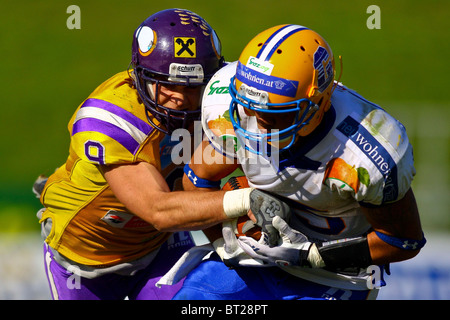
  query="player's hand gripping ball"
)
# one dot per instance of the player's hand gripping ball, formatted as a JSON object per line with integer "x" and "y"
{"x": 243, "y": 226}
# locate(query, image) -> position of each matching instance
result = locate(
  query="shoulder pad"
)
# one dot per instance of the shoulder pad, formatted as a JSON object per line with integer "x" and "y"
{"x": 381, "y": 153}
{"x": 104, "y": 133}
{"x": 215, "y": 112}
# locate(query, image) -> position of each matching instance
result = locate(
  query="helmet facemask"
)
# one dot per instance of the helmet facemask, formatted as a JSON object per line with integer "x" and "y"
{"x": 286, "y": 74}
{"x": 169, "y": 119}
{"x": 265, "y": 141}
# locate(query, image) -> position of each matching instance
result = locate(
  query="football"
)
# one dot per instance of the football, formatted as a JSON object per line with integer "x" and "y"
{"x": 243, "y": 226}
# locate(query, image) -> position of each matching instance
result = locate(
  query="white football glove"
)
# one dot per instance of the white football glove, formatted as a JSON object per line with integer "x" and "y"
{"x": 294, "y": 250}
{"x": 265, "y": 207}
{"x": 230, "y": 251}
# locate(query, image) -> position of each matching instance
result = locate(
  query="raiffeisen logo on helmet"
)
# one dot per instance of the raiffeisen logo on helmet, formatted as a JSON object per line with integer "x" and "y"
{"x": 264, "y": 67}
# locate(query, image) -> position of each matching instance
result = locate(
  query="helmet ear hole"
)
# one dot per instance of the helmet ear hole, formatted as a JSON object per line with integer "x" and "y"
{"x": 320, "y": 102}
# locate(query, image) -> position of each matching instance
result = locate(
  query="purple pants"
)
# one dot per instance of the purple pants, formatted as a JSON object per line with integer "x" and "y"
{"x": 140, "y": 286}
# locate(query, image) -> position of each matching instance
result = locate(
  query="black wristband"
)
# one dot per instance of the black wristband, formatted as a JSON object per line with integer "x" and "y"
{"x": 303, "y": 258}
{"x": 353, "y": 253}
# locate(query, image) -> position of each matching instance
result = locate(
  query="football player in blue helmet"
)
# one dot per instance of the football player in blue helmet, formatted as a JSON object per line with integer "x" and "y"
{"x": 344, "y": 167}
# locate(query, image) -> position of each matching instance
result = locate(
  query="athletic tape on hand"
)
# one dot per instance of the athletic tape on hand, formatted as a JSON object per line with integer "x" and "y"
{"x": 236, "y": 203}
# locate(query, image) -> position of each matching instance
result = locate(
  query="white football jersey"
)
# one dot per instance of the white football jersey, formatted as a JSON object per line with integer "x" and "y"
{"x": 358, "y": 154}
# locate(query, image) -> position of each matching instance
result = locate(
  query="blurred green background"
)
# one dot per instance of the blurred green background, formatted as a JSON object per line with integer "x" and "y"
{"x": 48, "y": 69}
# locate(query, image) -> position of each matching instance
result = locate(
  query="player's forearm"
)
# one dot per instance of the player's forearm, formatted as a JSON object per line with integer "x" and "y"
{"x": 186, "y": 210}
{"x": 399, "y": 225}
{"x": 359, "y": 252}
{"x": 144, "y": 192}
{"x": 193, "y": 210}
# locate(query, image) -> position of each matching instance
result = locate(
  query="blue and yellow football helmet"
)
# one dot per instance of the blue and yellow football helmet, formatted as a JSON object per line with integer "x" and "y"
{"x": 284, "y": 77}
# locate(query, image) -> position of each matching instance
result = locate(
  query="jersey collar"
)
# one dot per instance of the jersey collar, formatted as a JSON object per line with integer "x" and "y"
{"x": 295, "y": 156}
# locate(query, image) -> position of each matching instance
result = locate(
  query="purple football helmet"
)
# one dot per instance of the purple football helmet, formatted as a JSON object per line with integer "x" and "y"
{"x": 173, "y": 47}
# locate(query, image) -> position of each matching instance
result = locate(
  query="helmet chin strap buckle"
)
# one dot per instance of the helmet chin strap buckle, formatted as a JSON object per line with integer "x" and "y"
{"x": 181, "y": 72}
{"x": 259, "y": 96}
{"x": 340, "y": 75}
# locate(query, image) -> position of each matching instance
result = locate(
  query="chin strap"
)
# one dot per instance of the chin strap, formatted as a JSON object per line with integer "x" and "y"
{"x": 340, "y": 76}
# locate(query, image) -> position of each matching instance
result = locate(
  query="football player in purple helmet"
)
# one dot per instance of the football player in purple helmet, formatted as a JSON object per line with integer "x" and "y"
{"x": 114, "y": 213}
{"x": 174, "y": 53}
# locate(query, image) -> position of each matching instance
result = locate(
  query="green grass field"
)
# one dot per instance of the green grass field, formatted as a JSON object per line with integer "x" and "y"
{"x": 47, "y": 70}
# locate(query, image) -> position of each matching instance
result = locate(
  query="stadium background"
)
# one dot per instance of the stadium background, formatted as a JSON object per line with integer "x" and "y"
{"x": 47, "y": 70}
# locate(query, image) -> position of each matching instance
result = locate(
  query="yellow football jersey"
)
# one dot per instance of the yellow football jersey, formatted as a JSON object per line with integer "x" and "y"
{"x": 89, "y": 225}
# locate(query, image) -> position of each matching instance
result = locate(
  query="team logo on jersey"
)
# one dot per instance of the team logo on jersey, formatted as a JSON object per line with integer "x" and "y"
{"x": 119, "y": 219}
{"x": 179, "y": 239}
{"x": 217, "y": 89}
{"x": 223, "y": 131}
{"x": 185, "y": 47}
{"x": 344, "y": 176}
{"x": 222, "y": 125}
{"x": 376, "y": 152}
